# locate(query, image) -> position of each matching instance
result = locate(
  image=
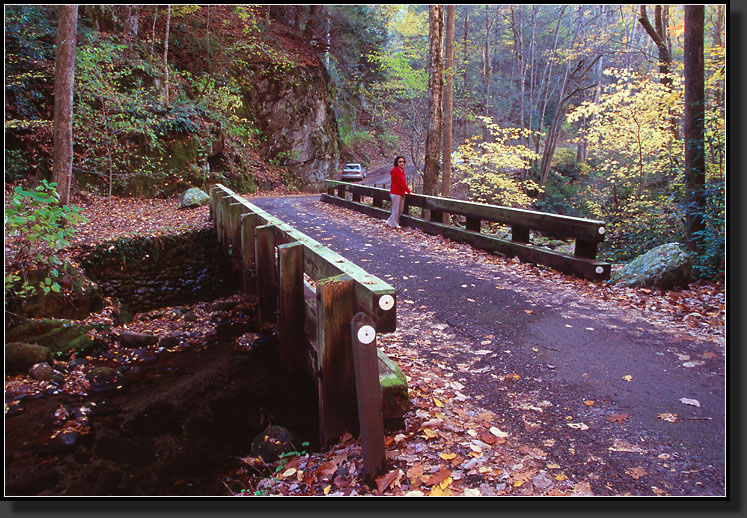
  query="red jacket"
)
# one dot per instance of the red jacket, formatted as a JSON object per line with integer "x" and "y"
{"x": 399, "y": 182}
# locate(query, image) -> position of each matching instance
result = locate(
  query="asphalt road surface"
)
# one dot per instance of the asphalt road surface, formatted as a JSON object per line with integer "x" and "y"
{"x": 595, "y": 381}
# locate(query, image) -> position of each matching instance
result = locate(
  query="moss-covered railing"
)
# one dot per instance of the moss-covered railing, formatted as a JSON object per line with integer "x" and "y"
{"x": 587, "y": 233}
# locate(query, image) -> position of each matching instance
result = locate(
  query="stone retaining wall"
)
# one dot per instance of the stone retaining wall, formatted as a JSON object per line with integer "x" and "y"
{"x": 149, "y": 272}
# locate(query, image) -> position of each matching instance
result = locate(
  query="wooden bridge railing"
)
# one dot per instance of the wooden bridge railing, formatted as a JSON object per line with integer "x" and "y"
{"x": 587, "y": 233}
{"x": 326, "y": 309}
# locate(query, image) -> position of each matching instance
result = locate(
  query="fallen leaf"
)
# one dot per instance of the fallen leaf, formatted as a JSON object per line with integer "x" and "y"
{"x": 497, "y": 432}
{"x": 390, "y": 479}
{"x": 578, "y": 426}
{"x": 438, "y": 477}
{"x": 636, "y": 473}
{"x": 628, "y": 377}
{"x": 588, "y": 402}
{"x": 692, "y": 402}
{"x": 561, "y": 477}
{"x": 326, "y": 470}
{"x": 618, "y": 418}
{"x": 447, "y": 456}
{"x": 430, "y": 433}
{"x": 667, "y": 416}
{"x": 438, "y": 402}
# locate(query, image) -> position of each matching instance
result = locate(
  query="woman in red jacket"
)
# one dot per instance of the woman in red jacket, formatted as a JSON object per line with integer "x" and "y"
{"x": 397, "y": 191}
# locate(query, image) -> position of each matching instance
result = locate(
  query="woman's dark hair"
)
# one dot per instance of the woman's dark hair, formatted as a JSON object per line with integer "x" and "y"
{"x": 397, "y": 160}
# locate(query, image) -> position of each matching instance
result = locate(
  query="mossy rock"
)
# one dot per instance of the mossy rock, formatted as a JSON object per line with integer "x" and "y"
{"x": 60, "y": 337}
{"x": 193, "y": 198}
{"x": 395, "y": 397}
{"x": 21, "y": 356}
{"x": 664, "y": 267}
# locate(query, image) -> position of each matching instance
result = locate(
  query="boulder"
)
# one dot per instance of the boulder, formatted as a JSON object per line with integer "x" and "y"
{"x": 395, "y": 398}
{"x": 135, "y": 340}
{"x": 61, "y": 337}
{"x": 664, "y": 267}
{"x": 194, "y": 198}
{"x": 20, "y": 356}
{"x": 41, "y": 371}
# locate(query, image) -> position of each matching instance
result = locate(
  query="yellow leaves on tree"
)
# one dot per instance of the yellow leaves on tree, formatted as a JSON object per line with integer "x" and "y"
{"x": 491, "y": 169}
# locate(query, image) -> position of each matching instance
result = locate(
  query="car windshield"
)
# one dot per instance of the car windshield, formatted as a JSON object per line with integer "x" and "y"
{"x": 352, "y": 166}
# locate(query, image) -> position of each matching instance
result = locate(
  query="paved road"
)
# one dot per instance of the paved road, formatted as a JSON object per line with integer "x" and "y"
{"x": 566, "y": 350}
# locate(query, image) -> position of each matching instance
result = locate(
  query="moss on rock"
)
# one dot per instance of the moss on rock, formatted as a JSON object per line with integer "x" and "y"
{"x": 395, "y": 397}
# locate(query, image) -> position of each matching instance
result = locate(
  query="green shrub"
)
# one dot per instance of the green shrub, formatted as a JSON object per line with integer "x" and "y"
{"x": 36, "y": 227}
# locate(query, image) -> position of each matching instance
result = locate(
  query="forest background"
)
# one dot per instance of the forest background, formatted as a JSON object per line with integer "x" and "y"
{"x": 570, "y": 109}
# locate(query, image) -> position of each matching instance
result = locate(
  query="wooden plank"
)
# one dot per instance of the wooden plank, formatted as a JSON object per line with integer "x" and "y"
{"x": 267, "y": 285}
{"x": 236, "y": 210}
{"x": 337, "y": 402}
{"x": 368, "y": 394}
{"x": 248, "y": 252}
{"x": 291, "y": 306}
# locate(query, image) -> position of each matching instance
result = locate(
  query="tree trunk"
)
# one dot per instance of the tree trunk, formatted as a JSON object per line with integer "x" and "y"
{"x": 487, "y": 64}
{"x": 131, "y": 22}
{"x": 448, "y": 101}
{"x": 153, "y": 35}
{"x": 166, "y": 58}
{"x": 694, "y": 127}
{"x": 64, "y": 78}
{"x": 433, "y": 140}
{"x": 552, "y": 138}
{"x": 546, "y": 81}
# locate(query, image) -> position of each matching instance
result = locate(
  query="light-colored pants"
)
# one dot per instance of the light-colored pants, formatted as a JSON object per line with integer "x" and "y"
{"x": 398, "y": 205}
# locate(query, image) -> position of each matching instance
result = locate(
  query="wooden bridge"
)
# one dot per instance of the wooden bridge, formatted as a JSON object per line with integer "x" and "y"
{"x": 587, "y": 233}
{"x": 326, "y": 312}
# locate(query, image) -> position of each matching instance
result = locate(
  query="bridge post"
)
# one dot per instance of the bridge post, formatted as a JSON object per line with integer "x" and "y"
{"x": 267, "y": 286}
{"x": 368, "y": 394}
{"x": 337, "y": 401}
{"x": 292, "y": 307}
{"x": 520, "y": 234}
{"x": 236, "y": 210}
{"x": 585, "y": 248}
{"x": 248, "y": 252}
{"x": 473, "y": 224}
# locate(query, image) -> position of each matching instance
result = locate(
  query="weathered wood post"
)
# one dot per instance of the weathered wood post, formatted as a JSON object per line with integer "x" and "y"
{"x": 217, "y": 212}
{"x": 473, "y": 224}
{"x": 267, "y": 285}
{"x": 337, "y": 402}
{"x": 368, "y": 394}
{"x": 520, "y": 234}
{"x": 236, "y": 210}
{"x": 225, "y": 233}
{"x": 248, "y": 252}
{"x": 292, "y": 307}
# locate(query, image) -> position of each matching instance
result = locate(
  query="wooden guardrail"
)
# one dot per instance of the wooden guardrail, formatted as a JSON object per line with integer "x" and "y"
{"x": 586, "y": 233}
{"x": 326, "y": 310}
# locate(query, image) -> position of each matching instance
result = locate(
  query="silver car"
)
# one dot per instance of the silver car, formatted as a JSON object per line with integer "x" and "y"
{"x": 353, "y": 173}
